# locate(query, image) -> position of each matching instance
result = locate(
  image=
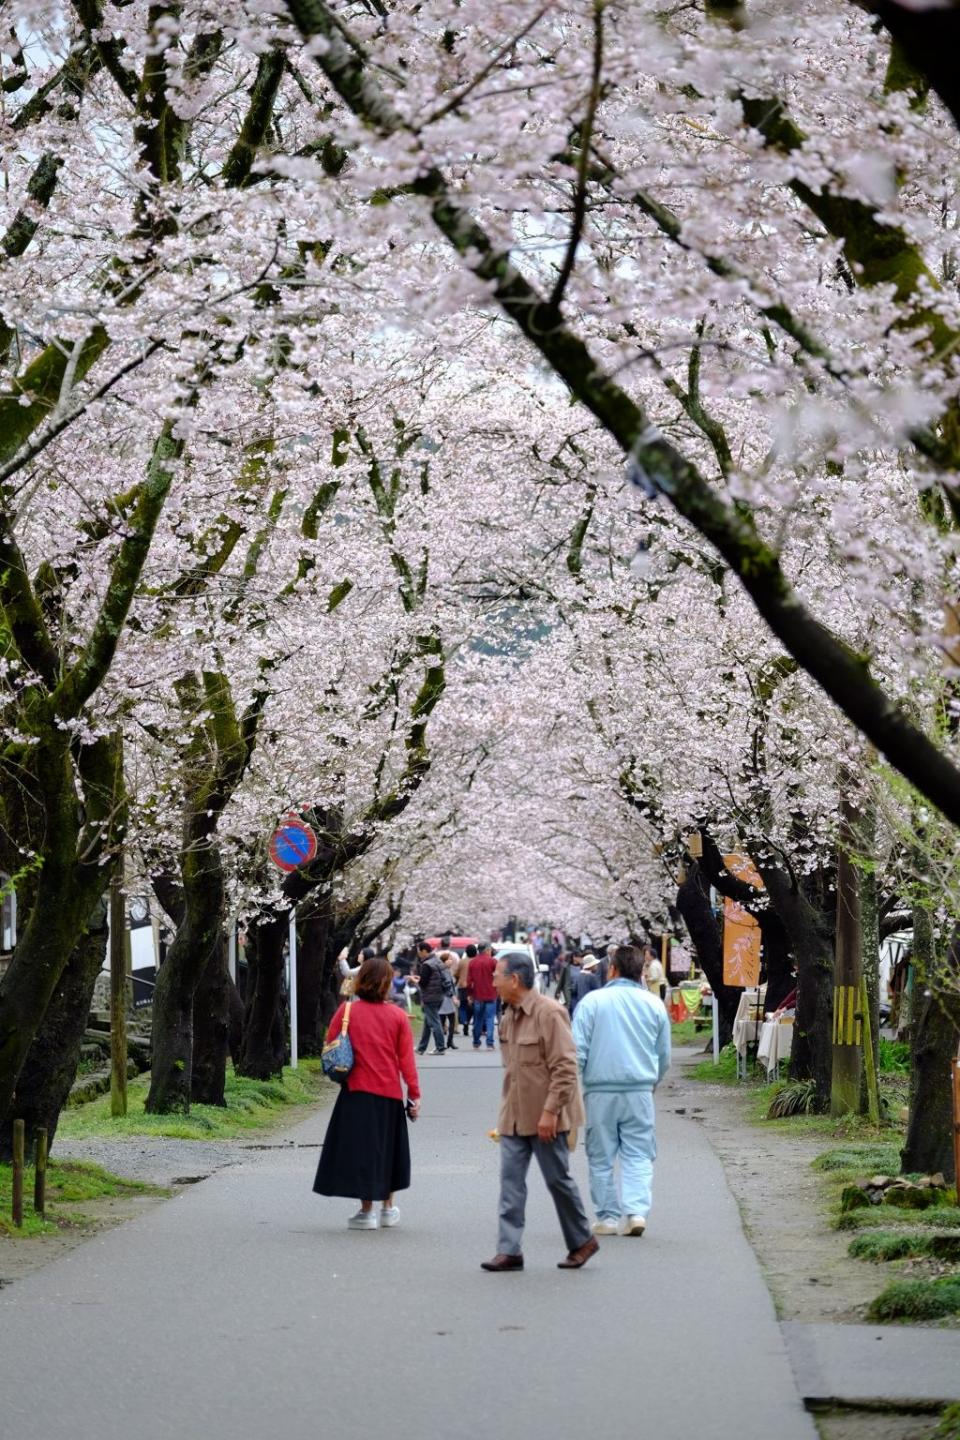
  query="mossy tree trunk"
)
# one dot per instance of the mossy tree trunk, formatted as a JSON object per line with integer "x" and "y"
{"x": 263, "y": 1050}
{"x": 211, "y": 1028}
{"x": 934, "y": 1037}
{"x": 50, "y": 1068}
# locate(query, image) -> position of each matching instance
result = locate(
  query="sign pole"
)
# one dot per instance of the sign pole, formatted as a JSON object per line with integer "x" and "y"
{"x": 715, "y": 1004}
{"x": 956, "y": 1126}
{"x": 292, "y": 947}
{"x": 232, "y": 951}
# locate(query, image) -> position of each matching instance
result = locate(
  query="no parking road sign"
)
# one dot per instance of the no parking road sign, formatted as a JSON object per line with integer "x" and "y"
{"x": 292, "y": 844}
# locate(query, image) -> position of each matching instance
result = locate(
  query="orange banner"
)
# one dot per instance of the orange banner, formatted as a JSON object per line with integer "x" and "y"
{"x": 741, "y": 932}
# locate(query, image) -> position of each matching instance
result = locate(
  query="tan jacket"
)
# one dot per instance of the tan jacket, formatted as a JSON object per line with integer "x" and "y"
{"x": 540, "y": 1067}
{"x": 463, "y": 965}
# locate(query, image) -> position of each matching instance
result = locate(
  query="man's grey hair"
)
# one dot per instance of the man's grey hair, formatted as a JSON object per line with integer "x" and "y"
{"x": 522, "y": 967}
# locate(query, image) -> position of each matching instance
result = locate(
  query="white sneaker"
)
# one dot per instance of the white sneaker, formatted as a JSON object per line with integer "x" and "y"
{"x": 636, "y": 1225}
{"x": 606, "y": 1227}
{"x": 389, "y": 1215}
{"x": 363, "y": 1220}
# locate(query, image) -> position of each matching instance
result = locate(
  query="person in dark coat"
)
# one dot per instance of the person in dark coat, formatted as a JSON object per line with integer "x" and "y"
{"x": 366, "y": 1150}
{"x": 430, "y": 976}
{"x": 584, "y": 980}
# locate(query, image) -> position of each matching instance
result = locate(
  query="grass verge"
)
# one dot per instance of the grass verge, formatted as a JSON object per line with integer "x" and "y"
{"x": 69, "y": 1183}
{"x": 251, "y": 1105}
{"x": 917, "y": 1300}
{"x": 882, "y": 1245}
{"x": 687, "y": 1032}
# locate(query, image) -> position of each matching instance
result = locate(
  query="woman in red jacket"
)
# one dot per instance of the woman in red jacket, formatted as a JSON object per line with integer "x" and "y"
{"x": 366, "y": 1150}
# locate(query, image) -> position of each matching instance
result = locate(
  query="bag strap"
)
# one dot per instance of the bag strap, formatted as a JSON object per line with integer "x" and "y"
{"x": 345, "y": 1022}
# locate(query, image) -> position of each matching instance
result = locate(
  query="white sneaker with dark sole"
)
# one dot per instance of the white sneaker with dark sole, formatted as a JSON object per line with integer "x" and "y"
{"x": 636, "y": 1225}
{"x": 389, "y": 1215}
{"x": 363, "y": 1220}
{"x": 606, "y": 1227}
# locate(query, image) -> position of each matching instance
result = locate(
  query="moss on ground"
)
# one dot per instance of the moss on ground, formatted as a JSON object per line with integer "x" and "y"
{"x": 881, "y": 1245}
{"x": 68, "y": 1183}
{"x": 917, "y": 1300}
{"x": 871, "y": 1158}
{"x": 879, "y": 1217}
{"x": 251, "y": 1105}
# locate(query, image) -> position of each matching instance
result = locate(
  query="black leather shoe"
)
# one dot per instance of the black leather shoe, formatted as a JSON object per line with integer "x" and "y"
{"x": 503, "y": 1262}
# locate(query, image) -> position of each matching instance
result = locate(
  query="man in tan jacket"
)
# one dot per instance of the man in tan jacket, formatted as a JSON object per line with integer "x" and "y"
{"x": 541, "y": 1105}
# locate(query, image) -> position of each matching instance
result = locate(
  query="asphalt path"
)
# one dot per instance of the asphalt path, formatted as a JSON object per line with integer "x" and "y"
{"x": 244, "y": 1308}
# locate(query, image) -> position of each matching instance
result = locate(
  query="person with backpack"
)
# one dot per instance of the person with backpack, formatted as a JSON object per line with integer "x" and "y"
{"x": 430, "y": 979}
{"x": 448, "y": 1005}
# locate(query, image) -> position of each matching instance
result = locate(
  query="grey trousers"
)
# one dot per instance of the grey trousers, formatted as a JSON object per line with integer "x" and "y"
{"x": 553, "y": 1157}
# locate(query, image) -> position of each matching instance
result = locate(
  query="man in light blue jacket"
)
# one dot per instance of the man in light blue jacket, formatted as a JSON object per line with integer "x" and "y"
{"x": 622, "y": 1034}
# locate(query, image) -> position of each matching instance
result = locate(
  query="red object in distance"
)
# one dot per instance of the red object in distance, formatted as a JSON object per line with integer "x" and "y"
{"x": 457, "y": 942}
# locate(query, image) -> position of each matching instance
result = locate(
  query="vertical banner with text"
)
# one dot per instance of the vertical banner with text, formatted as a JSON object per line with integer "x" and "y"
{"x": 741, "y": 932}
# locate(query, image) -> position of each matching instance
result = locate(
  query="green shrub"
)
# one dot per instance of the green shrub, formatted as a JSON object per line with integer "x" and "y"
{"x": 917, "y": 1300}
{"x": 894, "y": 1057}
{"x": 794, "y": 1097}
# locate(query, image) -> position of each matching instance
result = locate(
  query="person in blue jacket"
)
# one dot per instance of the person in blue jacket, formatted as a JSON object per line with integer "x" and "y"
{"x": 622, "y": 1034}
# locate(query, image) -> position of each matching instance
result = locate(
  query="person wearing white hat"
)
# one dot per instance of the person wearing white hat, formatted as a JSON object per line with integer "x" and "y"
{"x": 584, "y": 980}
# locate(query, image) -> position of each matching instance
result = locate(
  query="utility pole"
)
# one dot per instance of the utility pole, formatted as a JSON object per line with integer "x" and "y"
{"x": 847, "y": 1015}
{"x": 118, "y": 995}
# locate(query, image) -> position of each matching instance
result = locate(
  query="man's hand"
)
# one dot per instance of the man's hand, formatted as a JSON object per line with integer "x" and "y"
{"x": 547, "y": 1126}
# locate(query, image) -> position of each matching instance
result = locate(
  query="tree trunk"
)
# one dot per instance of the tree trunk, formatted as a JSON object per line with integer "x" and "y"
{"x": 64, "y": 899}
{"x": 693, "y": 902}
{"x": 312, "y": 958}
{"x": 51, "y": 1064}
{"x": 810, "y": 930}
{"x": 263, "y": 1052}
{"x": 847, "y": 1036}
{"x": 934, "y": 1036}
{"x": 198, "y": 938}
{"x": 777, "y": 960}
{"x": 234, "y": 1021}
{"x": 211, "y": 1029}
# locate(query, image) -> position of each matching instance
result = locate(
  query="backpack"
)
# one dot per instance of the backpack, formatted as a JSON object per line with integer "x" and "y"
{"x": 446, "y": 980}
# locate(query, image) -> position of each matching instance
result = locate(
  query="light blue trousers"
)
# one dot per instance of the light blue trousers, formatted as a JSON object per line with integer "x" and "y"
{"x": 620, "y": 1126}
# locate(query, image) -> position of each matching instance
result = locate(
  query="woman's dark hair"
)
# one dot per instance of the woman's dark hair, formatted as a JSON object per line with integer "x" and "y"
{"x": 629, "y": 962}
{"x": 471, "y": 951}
{"x": 373, "y": 979}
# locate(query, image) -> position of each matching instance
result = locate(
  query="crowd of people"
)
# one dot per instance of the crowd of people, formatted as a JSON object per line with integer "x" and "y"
{"x": 592, "y": 1054}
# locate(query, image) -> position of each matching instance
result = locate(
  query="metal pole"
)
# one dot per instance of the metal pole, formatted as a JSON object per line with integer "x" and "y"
{"x": 294, "y": 1056}
{"x": 18, "y": 1150}
{"x": 232, "y": 951}
{"x": 715, "y": 1005}
{"x": 956, "y": 1128}
{"x": 118, "y": 997}
{"x": 40, "y": 1174}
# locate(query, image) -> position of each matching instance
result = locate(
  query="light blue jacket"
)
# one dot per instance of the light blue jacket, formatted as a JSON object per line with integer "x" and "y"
{"x": 622, "y": 1034}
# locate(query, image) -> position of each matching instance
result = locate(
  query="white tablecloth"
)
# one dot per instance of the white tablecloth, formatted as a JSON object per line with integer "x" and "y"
{"x": 749, "y": 1015}
{"x": 776, "y": 1043}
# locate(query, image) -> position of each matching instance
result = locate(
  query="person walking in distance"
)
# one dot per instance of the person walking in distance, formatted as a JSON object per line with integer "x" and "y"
{"x": 483, "y": 993}
{"x": 447, "y": 959}
{"x": 366, "y": 1150}
{"x": 539, "y": 1108}
{"x": 622, "y": 1035}
{"x": 463, "y": 987}
{"x": 431, "y": 998}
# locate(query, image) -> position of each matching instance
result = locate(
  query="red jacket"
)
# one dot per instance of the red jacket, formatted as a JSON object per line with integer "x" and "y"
{"x": 382, "y": 1049}
{"x": 480, "y": 977}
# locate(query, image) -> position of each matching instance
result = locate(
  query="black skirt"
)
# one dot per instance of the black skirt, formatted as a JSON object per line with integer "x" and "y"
{"x": 366, "y": 1150}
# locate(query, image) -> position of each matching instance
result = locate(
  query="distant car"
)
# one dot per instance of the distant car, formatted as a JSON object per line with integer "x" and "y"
{"x": 514, "y": 947}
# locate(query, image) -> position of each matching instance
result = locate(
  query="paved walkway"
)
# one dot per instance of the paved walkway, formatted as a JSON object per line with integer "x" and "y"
{"x": 244, "y": 1308}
